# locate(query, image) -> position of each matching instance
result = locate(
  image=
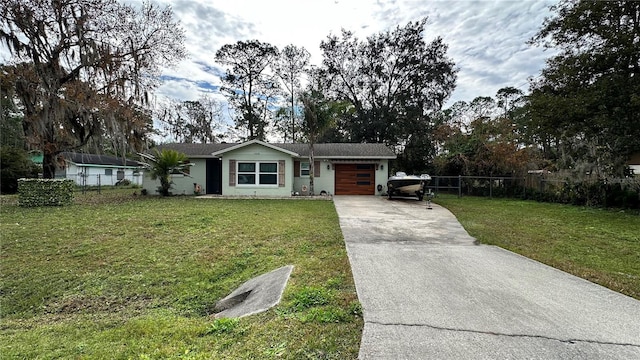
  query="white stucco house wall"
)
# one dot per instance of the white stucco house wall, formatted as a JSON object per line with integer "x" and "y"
{"x": 94, "y": 170}
{"x": 256, "y": 168}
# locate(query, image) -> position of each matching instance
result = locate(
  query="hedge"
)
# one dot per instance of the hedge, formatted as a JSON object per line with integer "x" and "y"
{"x": 45, "y": 192}
{"x": 621, "y": 193}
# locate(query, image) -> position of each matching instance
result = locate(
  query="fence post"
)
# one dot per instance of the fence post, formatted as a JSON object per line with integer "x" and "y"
{"x": 459, "y": 186}
{"x": 490, "y": 187}
{"x": 99, "y": 183}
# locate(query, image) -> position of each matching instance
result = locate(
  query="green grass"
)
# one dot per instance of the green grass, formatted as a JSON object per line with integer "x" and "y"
{"x": 118, "y": 276}
{"x": 602, "y": 246}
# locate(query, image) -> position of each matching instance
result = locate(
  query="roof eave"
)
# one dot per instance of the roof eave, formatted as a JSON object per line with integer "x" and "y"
{"x": 387, "y": 157}
{"x": 363, "y": 157}
{"x": 106, "y": 165}
{"x": 199, "y": 156}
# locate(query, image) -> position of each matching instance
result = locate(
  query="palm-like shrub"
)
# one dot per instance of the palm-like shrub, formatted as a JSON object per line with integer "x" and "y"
{"x": 164, "y": 163}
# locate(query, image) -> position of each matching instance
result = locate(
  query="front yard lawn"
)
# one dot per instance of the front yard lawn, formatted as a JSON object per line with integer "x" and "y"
{"x": 138, "y": 278}
{"x": 602, "y": 246}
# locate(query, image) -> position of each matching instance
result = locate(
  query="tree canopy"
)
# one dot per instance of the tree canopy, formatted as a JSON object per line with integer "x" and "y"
{"x": 292, "y": 63}
{"x": 585, "y": 106}
{"x": 248, "y": 86}
{"x": 191, "y": 121}
{"x": 83, "y": 68}
{"x": 481, "y": 138}
{"x": 320, "y": 114}
{"x": 82, "y": 71}
{"x": 396, "y": 82}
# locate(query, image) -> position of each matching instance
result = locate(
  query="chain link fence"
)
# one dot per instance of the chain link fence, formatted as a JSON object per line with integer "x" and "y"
{"x": 95, "y": 182}
{"x": 619, "y": 193}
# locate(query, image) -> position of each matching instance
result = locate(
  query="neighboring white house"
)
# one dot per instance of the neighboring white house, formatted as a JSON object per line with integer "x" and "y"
{"x": 256, "y": 168}
{"x": 93, "y": 170}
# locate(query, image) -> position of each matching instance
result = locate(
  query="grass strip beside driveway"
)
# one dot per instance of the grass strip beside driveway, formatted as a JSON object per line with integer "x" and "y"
{"x": 602, "y": 246}
{"x": 138, "y": 278}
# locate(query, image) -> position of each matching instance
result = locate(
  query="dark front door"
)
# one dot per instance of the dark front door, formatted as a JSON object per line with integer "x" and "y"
{"x": 214, "y": 176}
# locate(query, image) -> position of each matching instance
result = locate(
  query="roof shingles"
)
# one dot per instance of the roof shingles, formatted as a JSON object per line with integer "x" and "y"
{"x": 324, "y": 150}
{"x": 195, "y": 150}
{"x": 105, "y": 160}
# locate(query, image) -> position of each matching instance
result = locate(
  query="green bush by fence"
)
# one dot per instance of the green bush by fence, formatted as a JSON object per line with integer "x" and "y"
{"x": 621, "y": 193}
{"x": 45, "y": 192}
{"x": 610, "y": 193}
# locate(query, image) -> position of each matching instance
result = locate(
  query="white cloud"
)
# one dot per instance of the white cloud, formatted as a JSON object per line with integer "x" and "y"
{"x": 487, "y": 39}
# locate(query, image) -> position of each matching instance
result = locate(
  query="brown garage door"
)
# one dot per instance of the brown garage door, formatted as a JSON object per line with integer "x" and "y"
{"x": 355, "y": 179}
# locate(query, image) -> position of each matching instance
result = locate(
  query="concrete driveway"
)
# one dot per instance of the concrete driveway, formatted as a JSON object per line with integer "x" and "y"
{"x": 430, "y": 292}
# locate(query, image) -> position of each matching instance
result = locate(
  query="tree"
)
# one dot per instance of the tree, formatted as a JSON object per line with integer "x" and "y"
{"x": 162, "y": 164}
{"x": 508, "y": 99}
{"x": 11, "y": 132}
{"x": 191, "y": 121}
{"x": 291, "y": 64}
{"x": 475, "y": 139}
{"x": 395, "y": 81}
{"x": 124, "y": 132}
{"x": 320, "y": 114}
{"x": 83, "y": 66}
{"x": 587, "y": 95}
{"x": 270, "y": 93}
{"x": 14, "y": 164}
{"x": 246, "y": 76}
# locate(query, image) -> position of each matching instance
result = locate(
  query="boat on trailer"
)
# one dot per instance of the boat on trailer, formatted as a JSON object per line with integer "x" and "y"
{"x": 402, "y": 184}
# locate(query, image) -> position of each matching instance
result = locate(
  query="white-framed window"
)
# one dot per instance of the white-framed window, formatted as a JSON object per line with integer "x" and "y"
{"x": 257, "y": 173}
{"x": 108, "y": 172}
{"x": 304, "y": 168}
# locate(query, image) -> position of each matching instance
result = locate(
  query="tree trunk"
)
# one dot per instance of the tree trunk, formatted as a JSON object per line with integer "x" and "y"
{"x": 48, "y": 165}
{"x": 49, "y": 147}
{"x": 165, "y": 185}
{"x": 293, "y": 121}
{"x": 311, "y": 168}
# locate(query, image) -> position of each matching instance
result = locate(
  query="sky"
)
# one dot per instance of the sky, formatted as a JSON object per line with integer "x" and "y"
{"x": 487, "y": 39}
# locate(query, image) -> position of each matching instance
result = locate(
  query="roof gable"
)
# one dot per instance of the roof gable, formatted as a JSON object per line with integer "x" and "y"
{"x": 258, "y": 142}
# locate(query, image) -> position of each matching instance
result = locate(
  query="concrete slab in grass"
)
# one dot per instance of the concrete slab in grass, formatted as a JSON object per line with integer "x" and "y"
{"x": 256, "y": 295}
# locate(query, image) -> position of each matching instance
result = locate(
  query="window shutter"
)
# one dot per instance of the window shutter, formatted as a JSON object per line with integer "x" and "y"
{"x": 296, "y": 168}
{"x": 281, "y": 167}
{"x": 316, "y": 169}
{"x": 232, "y": 173}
